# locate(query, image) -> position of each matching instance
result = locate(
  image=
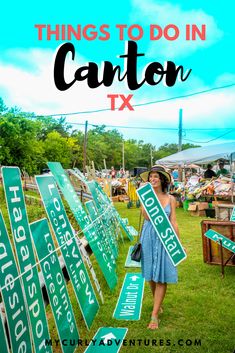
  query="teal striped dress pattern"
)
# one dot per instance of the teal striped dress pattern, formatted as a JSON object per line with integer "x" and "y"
{"x": 155, "y": 263}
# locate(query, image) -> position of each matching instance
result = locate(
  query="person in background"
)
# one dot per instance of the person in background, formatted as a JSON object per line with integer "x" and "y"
{"x": 156, "y": 265}
{"x": 122, "y": 173}
{"x": 175, "y": 174}
{"x": 222, "y": 171}
{"x": 113, "y": 173}
{"x": 209, "y": 173}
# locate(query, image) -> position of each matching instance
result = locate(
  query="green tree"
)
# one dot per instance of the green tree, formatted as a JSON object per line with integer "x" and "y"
{"x": 106, "y": 145}
{"x": 50, "y": 124}
{"x": 19, "y": 145}
{"x": 58, "y": 149}
{"x": 3, "y": 107}
{"x": 170, "y": 148}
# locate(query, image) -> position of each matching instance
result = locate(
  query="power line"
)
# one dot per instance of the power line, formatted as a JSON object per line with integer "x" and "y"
{"x": 132, "y": 127}
{"x": 216, "y": 138}
{"x": 146, "y": 103}
{"x": 154, "y": 128}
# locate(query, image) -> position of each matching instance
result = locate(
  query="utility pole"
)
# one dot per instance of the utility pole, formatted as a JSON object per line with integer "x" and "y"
{"x": 123, "y": 155}
{"x": 151, "y": 156}
{"x": 84, "y": 148}
{"x": 180, "y": 140}
{"x": 180, "y": 130}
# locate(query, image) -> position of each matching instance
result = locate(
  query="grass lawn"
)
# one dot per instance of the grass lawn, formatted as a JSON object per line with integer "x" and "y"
{"x": 200, "y": 308}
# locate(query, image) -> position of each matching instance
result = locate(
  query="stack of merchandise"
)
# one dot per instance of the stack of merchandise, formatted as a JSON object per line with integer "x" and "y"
{"x": 197, "y": 187}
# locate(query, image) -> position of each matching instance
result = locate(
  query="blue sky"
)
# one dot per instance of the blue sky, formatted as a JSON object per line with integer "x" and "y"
{"x": 26, "y": 65}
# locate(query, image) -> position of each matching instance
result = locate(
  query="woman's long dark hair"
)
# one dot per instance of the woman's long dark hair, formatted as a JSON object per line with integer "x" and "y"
{"x": 164, "y": 181}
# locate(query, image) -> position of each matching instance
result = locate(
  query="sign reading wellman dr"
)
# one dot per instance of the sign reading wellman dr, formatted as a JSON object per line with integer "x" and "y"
{"x": 161, "y": 224}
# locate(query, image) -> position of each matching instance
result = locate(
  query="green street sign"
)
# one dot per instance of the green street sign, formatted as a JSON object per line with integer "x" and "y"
{"x": 226, "y": 243}
{"x": 86, "y": 257}
{"x": 100, "y": 231}
{"x": 13, "y": 296}
{"x": 161, "y": 224}
{"x": 55, "y": 283}
{"x": 78, "y": 174}
{"x": 107, "y": 339}
{"x": 115, "y": 212}
{"x": 83, "y": 220}
{"x": 4, "y": 345}
{"x": 26, "y": 258}
{"x": 130, "y": 299}
{"x": 106, "y": 219}
{"x": 125, "y": 221}
{"x": 129, "y": 262}
{"x": 80, "y": 214}
{"x": 69, "y": 248}
{"x": 102, "y": 207}
{"x": 232, "y": 218}
{"x": 133, "y": 231}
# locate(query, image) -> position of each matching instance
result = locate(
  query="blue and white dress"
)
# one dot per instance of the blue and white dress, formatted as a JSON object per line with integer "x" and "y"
{"x": 155, "y": 262}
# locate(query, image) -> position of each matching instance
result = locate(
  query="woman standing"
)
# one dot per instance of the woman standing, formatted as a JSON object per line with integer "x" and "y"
{"x": 157, "y": 267}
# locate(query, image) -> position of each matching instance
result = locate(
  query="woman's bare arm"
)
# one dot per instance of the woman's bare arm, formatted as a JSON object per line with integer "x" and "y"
{"x": 144, "y": 213}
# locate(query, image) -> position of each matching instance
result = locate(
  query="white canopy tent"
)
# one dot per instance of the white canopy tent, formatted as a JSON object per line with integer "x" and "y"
{"x": 201, "y": 155}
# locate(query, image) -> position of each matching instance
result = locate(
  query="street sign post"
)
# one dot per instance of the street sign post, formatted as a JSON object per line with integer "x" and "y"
{"x": 100, "y": 231}
{"x": 24, "y": 249}
{"x": 13, "y": 296}
{"x": 106, "y": 219}
{"x": 84, "y": 222}
{"x": 161, "y": 224}
{"x": 226, "y": 243}
{"x": 55, "y": 283}
{"x": 69, "y": 248}
{"x": 130, "y": 298}
{"x": 107, "y": 339}
{"x": 115, "y": 213}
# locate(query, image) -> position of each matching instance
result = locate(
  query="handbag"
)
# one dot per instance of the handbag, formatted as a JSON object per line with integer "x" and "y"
{"x": 136, "y": 251}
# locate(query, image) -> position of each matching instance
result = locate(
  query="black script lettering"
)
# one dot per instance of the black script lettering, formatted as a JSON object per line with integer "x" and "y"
{"x": 153, "y": 75}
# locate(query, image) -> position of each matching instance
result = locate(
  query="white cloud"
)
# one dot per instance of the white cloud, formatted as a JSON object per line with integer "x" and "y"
{"x": 34, "y": 91}
{"x": 162, "y": 14}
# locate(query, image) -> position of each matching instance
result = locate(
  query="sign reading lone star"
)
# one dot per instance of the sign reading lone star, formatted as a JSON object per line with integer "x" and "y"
{"x": 161, "y": 224}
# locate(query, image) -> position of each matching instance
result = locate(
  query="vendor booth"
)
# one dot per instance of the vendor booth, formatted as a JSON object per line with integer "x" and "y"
{"x": 201, "y": 155}
{"x": 209, "y": 197}
{"x": 196, "y": 188}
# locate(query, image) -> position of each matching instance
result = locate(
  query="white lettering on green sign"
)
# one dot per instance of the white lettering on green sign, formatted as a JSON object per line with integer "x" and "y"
{"x": 25, "y": 254}
{"x": 55, "y": 283}
{"x": 161, "y": 224}
{"x": 64, "y": 233}
{"x": 12, "y": 295}
{"x": 232, "y": 218}
{"x": 107, "y": 339}
{"x": 130, "y": 299}
{"x": 226, "y": 243}
{"x": 83, "y": 221}
{"x": 115, "y": 213}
